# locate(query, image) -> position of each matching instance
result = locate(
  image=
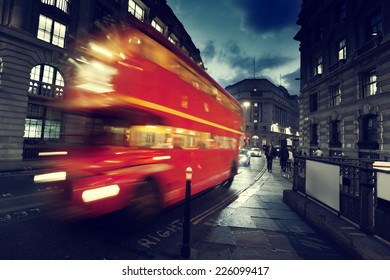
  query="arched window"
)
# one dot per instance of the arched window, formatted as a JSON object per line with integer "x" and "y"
{"x": 63, "y": 5}
{"x": 46, "y": 81}
{"x": 43, "y": 123}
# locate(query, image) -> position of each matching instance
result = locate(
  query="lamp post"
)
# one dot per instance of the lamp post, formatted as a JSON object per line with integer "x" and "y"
{"x": 246, "y": 105}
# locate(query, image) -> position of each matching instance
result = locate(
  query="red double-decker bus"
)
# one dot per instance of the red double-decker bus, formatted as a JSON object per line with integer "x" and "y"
{"x": 138, "y": 114}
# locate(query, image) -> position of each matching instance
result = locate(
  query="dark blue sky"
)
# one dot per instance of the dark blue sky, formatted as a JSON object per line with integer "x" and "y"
{"x": 232, "y": 34}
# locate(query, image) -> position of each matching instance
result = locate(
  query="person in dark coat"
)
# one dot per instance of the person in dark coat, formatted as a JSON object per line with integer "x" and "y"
{"x": 283, "y": 158}
{"x": 270, "y": 152}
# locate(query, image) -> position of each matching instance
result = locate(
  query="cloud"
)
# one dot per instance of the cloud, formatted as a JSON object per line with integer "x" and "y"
{"x": 232, "y": 33}
{"x": 228, "y": 62}
{"x": 236, "y": 57}
{"x": 208, "y": 52}
{"x": 268, "y": 16}
{"x": 292, "y": 81}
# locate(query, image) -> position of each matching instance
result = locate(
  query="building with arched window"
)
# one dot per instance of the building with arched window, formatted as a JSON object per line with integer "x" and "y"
{"x": 36, "y": 37}
{"x": 345, "y": 77}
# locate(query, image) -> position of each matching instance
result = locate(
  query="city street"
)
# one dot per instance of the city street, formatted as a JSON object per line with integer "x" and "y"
{"x": 28, "y": 233}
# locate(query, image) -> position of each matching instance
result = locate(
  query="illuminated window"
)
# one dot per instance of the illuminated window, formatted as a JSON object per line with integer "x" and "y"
{"x": 46, "y": 81}
{"x": 63, "y": 5}
{"x": 136, "y": 10}
{"x": 342, "y": 50}
{"x": 369, "y": 83}
{"x": 334, "y": 95}
{"x": 172, "y": 39}
{"x": 42, "y": 123}
{"x": 51, "y": 31}
{"x": 318, "y": 66}
{"x": 157, "y": 26}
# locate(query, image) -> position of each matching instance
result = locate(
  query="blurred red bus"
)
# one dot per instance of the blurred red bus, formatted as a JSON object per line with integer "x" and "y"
{"x": 138, "y": 114}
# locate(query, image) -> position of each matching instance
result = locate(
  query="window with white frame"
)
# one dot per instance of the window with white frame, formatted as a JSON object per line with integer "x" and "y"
{"x": 334, "y": 95}
{"x": 172, "y": 39}
{"x": 342, "y": 49}
{"x": 369, "y": 83}
{"x": 42, "y": 123}
{"x": 318, "y": 66}
{"x": 63, "y": 5}
{"x": 136, "y": 10}
{"x": 51, "y": 31}
{"x": 46, "y": 81}
{"x": 157, "y": 26}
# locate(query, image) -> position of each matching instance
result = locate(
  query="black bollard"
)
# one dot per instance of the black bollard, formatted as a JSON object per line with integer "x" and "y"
{"x": 185, "y": 249}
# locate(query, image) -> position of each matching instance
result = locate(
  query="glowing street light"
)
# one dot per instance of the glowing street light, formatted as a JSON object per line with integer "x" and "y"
{"x": 246, "y": 104}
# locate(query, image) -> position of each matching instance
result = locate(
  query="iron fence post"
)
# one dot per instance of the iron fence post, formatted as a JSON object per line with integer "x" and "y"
{"x": 185, "y": 249}
{"x": 367, "y": 198}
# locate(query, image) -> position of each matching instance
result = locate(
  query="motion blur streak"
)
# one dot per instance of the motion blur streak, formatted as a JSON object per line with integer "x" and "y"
{"x": 59, "y": 153}
{"x": 99, "y": 193}
{"x": 50, "y": 177}
{"x": 161, "y": 157}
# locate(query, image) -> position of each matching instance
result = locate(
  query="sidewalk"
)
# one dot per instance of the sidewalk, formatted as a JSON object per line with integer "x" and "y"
{"x": 259, "y": 225}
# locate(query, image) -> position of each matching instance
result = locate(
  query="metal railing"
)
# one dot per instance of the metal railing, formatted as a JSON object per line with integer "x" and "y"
{"x": 362, "y": 195}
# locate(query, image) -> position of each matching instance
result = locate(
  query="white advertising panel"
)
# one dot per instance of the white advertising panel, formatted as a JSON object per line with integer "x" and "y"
{"x": 323, "y": 183}
{"x": 383, "y": 185}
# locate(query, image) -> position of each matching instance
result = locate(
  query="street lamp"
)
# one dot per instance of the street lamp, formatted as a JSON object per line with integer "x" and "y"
{"x": 246, "y": 105}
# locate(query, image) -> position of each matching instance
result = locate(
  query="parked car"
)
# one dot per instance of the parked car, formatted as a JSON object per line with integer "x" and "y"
{"x": 255, "y": 152}
{"x": 244, "y": 158}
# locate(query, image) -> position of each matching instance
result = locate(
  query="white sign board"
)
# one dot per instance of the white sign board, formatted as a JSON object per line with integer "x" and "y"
{"x": 323, "y": 183}
{"x": 382, "y": 165}
{"x": 383, "y": 185}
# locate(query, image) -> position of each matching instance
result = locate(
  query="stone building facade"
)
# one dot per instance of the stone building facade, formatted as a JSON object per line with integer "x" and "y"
{"x": 270, "y": 112}
{"x": 36, "y": 38}
{"x": 345, "y": 77}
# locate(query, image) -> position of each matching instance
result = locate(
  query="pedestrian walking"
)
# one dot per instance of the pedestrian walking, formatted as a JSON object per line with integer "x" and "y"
{"x": 283, "y": 157}
{"x": 270, "y": 154}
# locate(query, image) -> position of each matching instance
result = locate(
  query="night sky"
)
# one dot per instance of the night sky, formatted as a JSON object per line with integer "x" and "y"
{"x": 233, "y": 34}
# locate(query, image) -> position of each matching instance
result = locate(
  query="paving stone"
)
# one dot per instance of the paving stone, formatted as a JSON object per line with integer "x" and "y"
{"x": 252, "y": 238}
{"x": 221, "y": 235}
{"x": 238, "y": 220}
{"x": 280, "y": 242}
